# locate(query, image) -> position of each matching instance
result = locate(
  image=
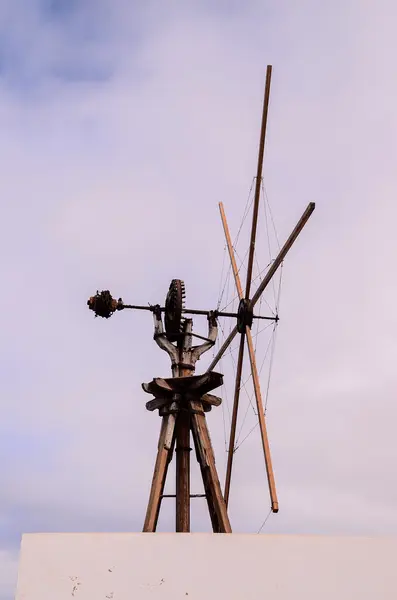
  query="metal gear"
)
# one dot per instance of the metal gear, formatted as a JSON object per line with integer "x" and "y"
{"x": 174, "y": 306}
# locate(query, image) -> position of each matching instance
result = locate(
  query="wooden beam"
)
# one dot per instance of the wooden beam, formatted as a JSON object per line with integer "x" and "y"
{"x": 233, "y": 426}
{"x": 262, "y": 422}
{"x": 205, "y": 453}
{"x": 240, "y": 360}
{"x": 182, "y": 450}
{"x": 258, "y": 183}
{"x": 231, "y": 252}
{"x": 283, "y": 252}
{"x": 164, "y": 454}
{"x": 223, "y": 349}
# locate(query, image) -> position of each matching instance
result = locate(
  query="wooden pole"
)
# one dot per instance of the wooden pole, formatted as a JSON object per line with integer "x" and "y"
{"x": 223, "y": 349}
{"x": 262, "y": 423}
{"x": 233, "y": 425}
{"x": 283, "y": 252}
{"x": 258, "y": 182}
{"x": 182, "y": 512}
{"x": 182, "y": 506}
{"x": 240, "y": 360}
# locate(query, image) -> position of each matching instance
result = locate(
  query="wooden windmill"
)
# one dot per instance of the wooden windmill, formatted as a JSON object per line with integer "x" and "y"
{"x": 183, "y": 399}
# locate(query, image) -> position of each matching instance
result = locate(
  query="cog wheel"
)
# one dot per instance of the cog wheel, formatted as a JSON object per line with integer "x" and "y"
{"x": 174, "y": 306}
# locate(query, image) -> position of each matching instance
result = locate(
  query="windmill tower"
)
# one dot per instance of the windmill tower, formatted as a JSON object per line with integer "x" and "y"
{"x": 184, "y": 399}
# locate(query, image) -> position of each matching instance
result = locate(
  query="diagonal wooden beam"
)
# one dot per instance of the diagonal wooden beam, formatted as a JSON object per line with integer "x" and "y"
{"x": 223, "y": 349}
{"x": 231, "y": 252}
{"x": 262, "y": 422}
{"x": 257, "y": 389}
{"x": 283, "y": 252}
{"x": 233, "y": 426}
{"x": 258, "y": 182}
{"x": 240, "y": 359}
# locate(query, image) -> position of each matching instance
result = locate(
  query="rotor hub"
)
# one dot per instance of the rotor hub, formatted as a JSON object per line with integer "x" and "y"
{"x": 245, "y": 315}
{"x": 103, "y": 304}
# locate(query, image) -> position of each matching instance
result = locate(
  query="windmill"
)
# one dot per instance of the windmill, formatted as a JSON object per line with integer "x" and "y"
{"x": 183, "y": 399}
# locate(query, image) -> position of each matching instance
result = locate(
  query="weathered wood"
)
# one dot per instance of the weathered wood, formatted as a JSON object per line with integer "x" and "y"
{"x": 208, "y": 468}
{"x": 157, "y": 403}
{"x": 182, "y": 512}
{"x": 240, "y": 359}
{"x": 258, "y": 182}
{"x": 207, "y": 487}
{"x": 164, "y": 454}
{"x": 211, "y": 399}
{"x": 283, "y": 252}
{"x": 223, "y": 349}
{"x": 179, "y": 398}
{"x": 262, "y": 422}
{"x": 233, "y": 426}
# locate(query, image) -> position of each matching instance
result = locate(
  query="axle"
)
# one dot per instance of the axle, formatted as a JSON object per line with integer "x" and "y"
{"x": 104, "y": 306}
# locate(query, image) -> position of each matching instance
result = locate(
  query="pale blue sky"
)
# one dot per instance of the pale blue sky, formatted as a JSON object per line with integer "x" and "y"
{"x": 122, "y": 126}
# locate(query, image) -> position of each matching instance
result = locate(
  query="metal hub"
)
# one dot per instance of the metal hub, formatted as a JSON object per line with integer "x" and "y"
{"x": 245, "y": 315}
{"x": 103, "y": 304}
{"x": 174, "y": 306}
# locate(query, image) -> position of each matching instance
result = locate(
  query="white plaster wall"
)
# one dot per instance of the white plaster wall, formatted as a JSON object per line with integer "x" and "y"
{"x": 127, "y": 566}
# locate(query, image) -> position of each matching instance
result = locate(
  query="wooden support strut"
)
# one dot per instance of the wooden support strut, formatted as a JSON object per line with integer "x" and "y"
{"x": 164, "y": 455}
{"x": 182, "y": 500}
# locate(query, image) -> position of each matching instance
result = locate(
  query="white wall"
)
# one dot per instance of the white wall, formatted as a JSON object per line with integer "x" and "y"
{"x": 127, "y": 566}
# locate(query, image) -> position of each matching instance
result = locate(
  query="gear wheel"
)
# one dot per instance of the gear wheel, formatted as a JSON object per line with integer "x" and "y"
{"x": 174, "y": 306}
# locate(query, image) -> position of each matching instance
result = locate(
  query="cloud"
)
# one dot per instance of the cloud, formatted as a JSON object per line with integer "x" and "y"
{"x": 120, "y": 134}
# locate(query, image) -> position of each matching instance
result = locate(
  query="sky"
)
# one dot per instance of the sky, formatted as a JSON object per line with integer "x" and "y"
{"x": 123, "y": 125}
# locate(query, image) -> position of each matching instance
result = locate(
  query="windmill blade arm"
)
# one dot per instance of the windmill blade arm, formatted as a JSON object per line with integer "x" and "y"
{"x": 258, "y": 182}
{"x": 262, "y": 422}
{"x": 223, "y": 349}
{"x": 233, "y": 426}
{"x": 233, "y": 333}
{"x": 283, "y": 252}
{"x": 231, "y": 252}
